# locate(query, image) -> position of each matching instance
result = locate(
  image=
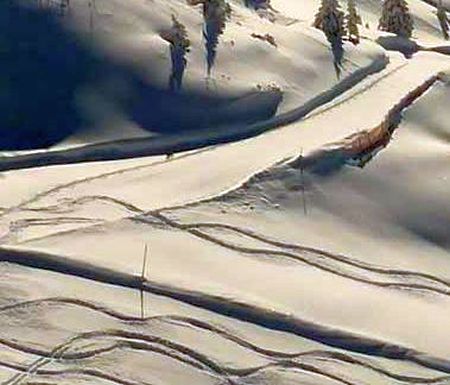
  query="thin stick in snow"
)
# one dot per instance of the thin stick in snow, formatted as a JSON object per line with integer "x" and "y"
{"x": 144, "y": 268}
{"x": 144, "y": 263}
{"x": 302, "y": 178}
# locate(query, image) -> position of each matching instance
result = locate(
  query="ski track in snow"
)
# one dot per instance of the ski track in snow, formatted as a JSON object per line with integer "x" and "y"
{"x": 313, "y": 257}
{"x": 271, "y": 319}
{"x": 441, "y": 288}
{"x": 122, "y": 339}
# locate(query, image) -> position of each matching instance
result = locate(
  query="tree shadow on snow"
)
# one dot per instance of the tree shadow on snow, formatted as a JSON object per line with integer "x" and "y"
{"x": 178, "y": 112}
{"x": 45, "y": 69}
{"x": 40, "y": 71}
{"x": 337, "y": 49}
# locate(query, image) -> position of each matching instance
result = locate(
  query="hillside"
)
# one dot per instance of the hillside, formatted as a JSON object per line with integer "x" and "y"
{"x": 109, "y": 68}
{"x": 283, "y": 220}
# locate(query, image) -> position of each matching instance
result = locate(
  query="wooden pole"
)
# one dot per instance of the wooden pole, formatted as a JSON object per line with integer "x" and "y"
{"x": 302, "y": 176}
{"x": 144, "y": 268}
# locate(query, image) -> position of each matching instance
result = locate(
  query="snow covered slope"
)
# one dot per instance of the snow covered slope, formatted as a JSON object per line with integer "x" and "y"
{"x": 355, "y": 291}
{"x": 109, "y": 67}
{"x": 273, "y": 259}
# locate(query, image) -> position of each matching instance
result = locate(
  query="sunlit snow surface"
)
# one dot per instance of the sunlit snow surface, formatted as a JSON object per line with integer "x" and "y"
{"x": 269, "y": 260}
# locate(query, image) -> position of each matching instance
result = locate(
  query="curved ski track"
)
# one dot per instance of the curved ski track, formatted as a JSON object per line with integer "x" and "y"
{"x": 150, "y": 343}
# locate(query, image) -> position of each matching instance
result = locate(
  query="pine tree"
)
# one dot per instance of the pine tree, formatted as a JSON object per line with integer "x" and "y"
{"x": 330, "y": 19}
{"x": 353, "y": 19}
{"x": 215, "y": 15}
{"x": 443, "y": 20}
{"x": 180, "y": 44}
{"x": 395, "y": 18}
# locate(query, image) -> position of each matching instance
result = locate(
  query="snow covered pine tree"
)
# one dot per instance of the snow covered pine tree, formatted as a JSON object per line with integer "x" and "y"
{"x": 215, "y": 15}
{"x": 353, "y": 19}
{"x": 443, "y": 20}
{"x": 177, "y": 36}
{"x": 395, "y": 18}
{"x": 330, "y": 19}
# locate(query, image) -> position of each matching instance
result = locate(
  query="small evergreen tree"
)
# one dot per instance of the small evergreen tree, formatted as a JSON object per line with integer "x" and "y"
{"x": 443, "y": 20}
{"x": 330, "y": 19}
{"x": 180, "y": 44}
{"x": 396, "y": 18}
{"x": 215, "y": 15}
{"x": 353, "y": 19}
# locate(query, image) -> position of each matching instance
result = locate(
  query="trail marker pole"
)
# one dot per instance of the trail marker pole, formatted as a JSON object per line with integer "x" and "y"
{"x": 302, "y": 178}
{"x": 144, "y": 268}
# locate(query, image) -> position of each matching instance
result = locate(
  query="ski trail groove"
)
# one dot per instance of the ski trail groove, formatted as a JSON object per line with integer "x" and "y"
{"x": 345, "y": 149}
{"x": 202, "y": 325}
{"x": 139, "y": 341}
{"x": 298, "y": 258}
{"x": 397, "y": 108}
{"x": 269, "y": 318}
{"x": 283, "y": 362}
{"x": 95, "y": 373}
{"x": 193, "y": 230}
{"x": 337, "y": 257}
{"x": 73, "y": 183}
{"x": 136, "y": 343}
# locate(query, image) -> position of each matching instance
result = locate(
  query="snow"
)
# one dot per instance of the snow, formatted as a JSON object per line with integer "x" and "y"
{"x": 271, "y": 258}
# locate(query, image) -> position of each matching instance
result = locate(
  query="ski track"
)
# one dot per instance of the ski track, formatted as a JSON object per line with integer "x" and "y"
{"x": 95, "y": 373}
{"x": 321, "y": 110}
{"x": 357, "y": 92}
{"x": 22, "y": 205}
{"x": 193, "y": 229}
{"x": 252, "y": 313}
{"x": 176, "y": 351}
{"x": 303, "y": 259}
{"x": 322, "y": 253}
{"x": 90, "y": 372}
{"x": 443, "y": 287}
{"x": 284, "y": 359}
{"x": 188, "y": 356}
{"x": 19, "y": 225}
